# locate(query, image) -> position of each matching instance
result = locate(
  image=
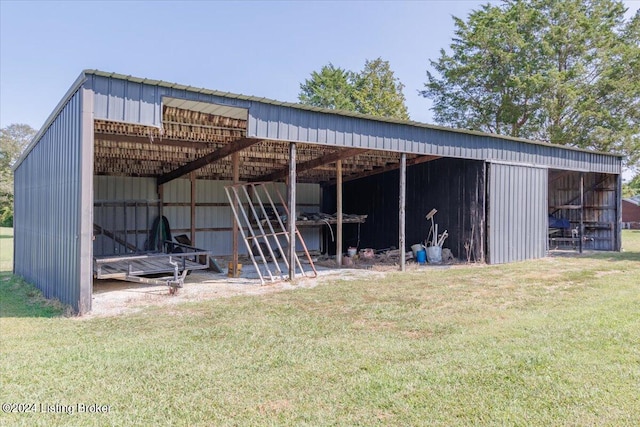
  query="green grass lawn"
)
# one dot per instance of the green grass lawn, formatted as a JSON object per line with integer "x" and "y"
{"x": 548, "y": 342}
{"x": 6, "y": 249}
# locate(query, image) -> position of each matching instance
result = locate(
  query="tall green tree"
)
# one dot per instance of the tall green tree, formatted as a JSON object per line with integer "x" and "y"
{"x": 378, "y": 92}
{"x": 329, "y": 88}
{"x": 375, "y": 90}
{"x": 632, "y": 188}
{"x": 13, "y": 139}
{"x": 557, "y": 71}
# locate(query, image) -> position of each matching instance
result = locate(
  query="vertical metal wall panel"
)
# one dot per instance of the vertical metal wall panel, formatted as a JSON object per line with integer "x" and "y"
{"x": 517, "y": 223}
{"x": 140, "y": 101}
{"x": 112, "y": 216}
{"x": 124, "y": 188}
{"x": 47, "y": 209}
{"x": 215, "y": 214}
{"x": 85, "y": 202}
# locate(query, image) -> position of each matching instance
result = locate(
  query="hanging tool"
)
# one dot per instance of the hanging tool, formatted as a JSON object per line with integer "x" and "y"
{"x": 433, "y": 231}
{"x": 442, "y": 238}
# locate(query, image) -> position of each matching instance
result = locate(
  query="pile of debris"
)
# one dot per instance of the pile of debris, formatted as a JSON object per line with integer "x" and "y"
{"x": 368, "y": 258}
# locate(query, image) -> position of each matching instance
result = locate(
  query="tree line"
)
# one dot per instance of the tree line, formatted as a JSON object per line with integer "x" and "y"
{"x": 564, "y": 72}
{"x": 13, "y": 140}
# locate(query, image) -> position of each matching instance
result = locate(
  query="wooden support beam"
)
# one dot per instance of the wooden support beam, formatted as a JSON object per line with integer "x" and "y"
{"x": 383, "y": 169}
{"x": 560, "y": 175}
{"x": 403, "y": 199}
{"x": 192, "y": 178}
{"x": 220, "y": 153}
{"x": 235, "y": 160}
{"x": 160, "y": 200}
{"x": 146, "y": 140}
{"x": 339, "y": 213}
{"x": 581, "y": 231}
{"x": 617, "y": 229}
{"x": 291, "y": 201}
{"x": 312, "y": 164}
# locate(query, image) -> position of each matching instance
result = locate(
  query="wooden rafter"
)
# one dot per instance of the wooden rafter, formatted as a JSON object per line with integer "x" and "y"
{"x": 312, "y": 164}
{"x": 218, "y": 154}
{"x": 147, "y": 140}
{"x": 387, "y": 168}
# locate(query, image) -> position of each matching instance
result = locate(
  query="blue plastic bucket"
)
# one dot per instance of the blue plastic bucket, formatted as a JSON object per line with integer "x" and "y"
{"x": 421, "y": 256}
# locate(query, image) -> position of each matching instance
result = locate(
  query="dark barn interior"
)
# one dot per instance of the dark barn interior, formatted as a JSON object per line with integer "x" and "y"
{"x": 455, "y": 187}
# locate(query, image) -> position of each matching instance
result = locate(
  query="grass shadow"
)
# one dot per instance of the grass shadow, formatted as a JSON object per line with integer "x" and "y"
{"x": 630, "y": 250}
{"x": 615, "y": 256}
{"x": 605, "y": 256}
{"x": 21, "y": 299}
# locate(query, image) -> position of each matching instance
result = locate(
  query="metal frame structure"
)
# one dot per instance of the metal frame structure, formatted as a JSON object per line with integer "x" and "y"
{"x": 133, "y": 268}
{"x": 261, "y": 235}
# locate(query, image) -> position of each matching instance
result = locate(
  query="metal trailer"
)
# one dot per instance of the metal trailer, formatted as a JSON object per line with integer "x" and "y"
{"x": 136, "y": 267}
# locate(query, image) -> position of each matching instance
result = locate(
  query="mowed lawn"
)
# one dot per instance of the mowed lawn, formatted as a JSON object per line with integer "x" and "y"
{"x": 548, "y": 342}
{"x": 6, "y": 249}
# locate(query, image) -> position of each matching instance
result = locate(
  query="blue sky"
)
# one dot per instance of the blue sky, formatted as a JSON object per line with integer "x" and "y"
{"x": 260, "y": 48}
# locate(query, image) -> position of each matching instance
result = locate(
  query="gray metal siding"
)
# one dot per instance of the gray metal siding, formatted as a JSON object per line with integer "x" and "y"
{"x": 139, "y": 101}
{"x": 298, "y": 125}
{"x": 85, "y": 208}
{"x": 111, "y": 216}
{"x": 48, "y": 196}
{"x": 517, "y": 199}
{"x": 216, "y": 214}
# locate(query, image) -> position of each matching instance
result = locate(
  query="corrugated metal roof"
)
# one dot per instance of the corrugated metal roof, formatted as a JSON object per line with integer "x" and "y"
{"x": 128, "y": 99}
{"x": 327, "y": 111}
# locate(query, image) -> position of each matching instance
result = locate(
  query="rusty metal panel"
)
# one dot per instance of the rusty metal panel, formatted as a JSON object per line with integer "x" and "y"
{"x": 517, "y": 213}
{"x": 50, "y": 234}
